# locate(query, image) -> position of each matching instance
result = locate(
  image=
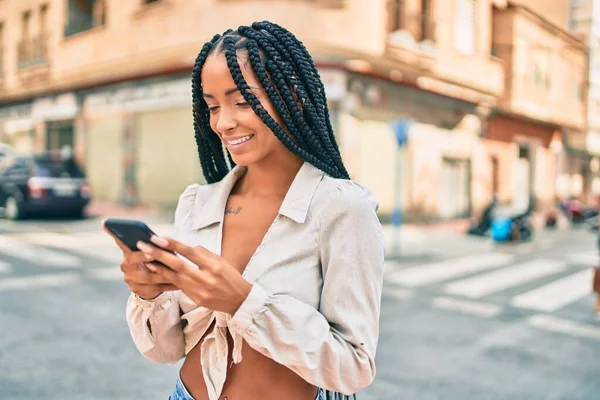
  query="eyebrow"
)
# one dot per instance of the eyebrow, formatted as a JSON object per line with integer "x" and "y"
{"x": 230, "y": 91}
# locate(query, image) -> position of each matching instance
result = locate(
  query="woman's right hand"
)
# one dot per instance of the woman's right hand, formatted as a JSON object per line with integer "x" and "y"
{"x": 141, "y": 281}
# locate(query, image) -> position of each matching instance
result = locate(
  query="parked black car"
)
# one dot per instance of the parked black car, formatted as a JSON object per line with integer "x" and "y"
{"x": 42, "y": 184}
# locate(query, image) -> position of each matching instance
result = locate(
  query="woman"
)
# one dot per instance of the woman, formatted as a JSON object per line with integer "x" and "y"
{"x": 275, "y": 291}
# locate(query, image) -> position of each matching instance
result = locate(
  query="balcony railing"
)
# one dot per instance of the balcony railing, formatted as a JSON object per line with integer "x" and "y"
{"x": 33, "y": 51}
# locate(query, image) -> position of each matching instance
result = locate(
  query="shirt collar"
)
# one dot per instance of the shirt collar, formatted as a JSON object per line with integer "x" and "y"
{"x": 294, "y": 206}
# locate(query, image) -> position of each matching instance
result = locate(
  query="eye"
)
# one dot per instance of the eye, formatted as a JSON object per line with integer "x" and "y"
{"x": 213, "y": 109}
{"x": 242, "y": 104}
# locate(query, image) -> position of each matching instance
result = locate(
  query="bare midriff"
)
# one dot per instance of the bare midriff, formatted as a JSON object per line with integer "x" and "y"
{"x": 257, "y": 377}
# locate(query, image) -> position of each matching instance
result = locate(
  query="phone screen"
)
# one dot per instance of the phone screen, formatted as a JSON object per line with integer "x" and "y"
{"x": 129, "y": 231}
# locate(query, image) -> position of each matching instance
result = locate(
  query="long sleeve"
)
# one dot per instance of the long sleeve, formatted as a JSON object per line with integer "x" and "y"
{"x": 155, "y": 325}
{"x": 333, "y": 347}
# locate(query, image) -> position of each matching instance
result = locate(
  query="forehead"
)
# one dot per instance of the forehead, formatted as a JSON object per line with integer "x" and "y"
{"x": 216, "y": 77}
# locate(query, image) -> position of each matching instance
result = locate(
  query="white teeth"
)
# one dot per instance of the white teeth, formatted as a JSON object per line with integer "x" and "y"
{"x": 240, "y": 140}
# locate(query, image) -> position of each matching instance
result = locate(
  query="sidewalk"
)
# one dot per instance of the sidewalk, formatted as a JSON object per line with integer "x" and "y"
{"x": 408, "y": 243}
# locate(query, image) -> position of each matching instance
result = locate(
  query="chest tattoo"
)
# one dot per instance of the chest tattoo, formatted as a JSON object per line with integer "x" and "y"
{"x": 233, "y": 211}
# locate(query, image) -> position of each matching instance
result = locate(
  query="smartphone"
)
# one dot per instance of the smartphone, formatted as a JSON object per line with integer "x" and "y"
{"x": 129, "y": 231}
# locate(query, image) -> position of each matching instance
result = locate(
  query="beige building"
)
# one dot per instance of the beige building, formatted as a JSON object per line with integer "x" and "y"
{"x": 537, "y": 131}
{"x": 585, "y": 21}
{"x": 111, "y": 79}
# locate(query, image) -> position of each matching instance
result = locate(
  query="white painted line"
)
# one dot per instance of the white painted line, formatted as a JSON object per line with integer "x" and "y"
{"x": 590, "y": 258}
{"x": 447, "y": 269}
{"x": 5, "y": 267}
{"x": 484, "y": 310}
{"x": 106, "y": 274}
{"x": 39, "y": 281}
{"x": 553, "y": 324}
{"x": 492, "y": 282}
{"x": 37, "y": 255}
{"x": 557, "y": 294}
{"x": 397, "y": 293}
{"x": 96, "y": 244}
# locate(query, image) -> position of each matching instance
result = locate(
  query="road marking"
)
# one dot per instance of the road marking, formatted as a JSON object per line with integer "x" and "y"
{"x": 553, "y": 324}
{"x": 483, "y": 285}
{"x": 5, "y": 267}
{"x": 86, "y": 244}
{"x": 557, "y": 294}
{"x": 397, "y": 293}
{"x": 444, "y": 270}
{"x": 39, "y": 281}
{"x": 106, "y": 274}
{"x": 590, "y": 258}
{"x": 37, "y": 255}
{"x": 484, "y": 310}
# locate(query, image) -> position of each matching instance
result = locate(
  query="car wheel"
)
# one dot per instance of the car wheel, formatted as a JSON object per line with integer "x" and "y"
{"x": 12, "y": 209}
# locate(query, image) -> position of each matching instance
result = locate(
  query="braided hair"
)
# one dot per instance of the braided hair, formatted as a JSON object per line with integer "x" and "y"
{"x": 290, "y": 79}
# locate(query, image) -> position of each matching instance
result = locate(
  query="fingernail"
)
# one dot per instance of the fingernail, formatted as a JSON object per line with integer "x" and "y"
{"x": 159, "y": 241}
{"x": 144, "y": 247}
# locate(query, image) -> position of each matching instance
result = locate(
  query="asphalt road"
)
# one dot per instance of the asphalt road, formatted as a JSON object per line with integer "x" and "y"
{"x": 466, "y": 321}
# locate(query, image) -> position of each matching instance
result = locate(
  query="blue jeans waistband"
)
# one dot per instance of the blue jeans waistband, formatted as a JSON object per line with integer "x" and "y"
{"x": 181, "y": 393}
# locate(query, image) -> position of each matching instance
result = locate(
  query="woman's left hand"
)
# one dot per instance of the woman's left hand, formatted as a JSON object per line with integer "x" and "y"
{"x": 210, "y": 282}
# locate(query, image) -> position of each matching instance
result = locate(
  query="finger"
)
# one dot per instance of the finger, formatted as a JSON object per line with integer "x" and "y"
{"x": 121, "y": 245}
{"x": 154, "y": 253}
{"x": 165, "y": 272}
{"x": 199, "y": 256}
{"x": 136, "y": 258}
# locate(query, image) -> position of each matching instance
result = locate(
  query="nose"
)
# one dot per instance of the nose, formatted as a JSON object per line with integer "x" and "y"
{"x": 226, "y": 120}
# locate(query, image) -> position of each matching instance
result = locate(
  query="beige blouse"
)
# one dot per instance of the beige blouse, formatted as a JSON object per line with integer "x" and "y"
{"x": 315, "y": 301}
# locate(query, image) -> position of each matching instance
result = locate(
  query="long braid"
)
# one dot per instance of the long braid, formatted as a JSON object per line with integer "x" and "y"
{"x": 314, "y": 82}
{"x": 238, "y": 78}
{"x": 291, "y": 81}
{"x": 308, "y": 134}
{"x": 209, "y": 146}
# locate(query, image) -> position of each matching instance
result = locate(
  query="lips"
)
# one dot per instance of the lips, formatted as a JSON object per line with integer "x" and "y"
{"x": 237, "y": 144}
{"x": 240, "y": 140}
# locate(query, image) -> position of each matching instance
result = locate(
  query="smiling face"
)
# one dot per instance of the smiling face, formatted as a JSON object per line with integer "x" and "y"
{"x": 244, "y": 134}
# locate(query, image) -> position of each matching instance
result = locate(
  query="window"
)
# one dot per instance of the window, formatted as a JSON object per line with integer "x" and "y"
{"x": 1, "y": 50}
{"x": 84, "y": 15}
{"x": 464, "y": 26}
{"x": 43, "y": 19}
{"x": 25, "y": 26}
{"x": 396, "y": 15}
{"x": 427, "y": 20}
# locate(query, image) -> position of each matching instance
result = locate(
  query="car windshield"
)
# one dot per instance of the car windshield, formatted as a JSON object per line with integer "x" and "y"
{"x": 45, "y": 167}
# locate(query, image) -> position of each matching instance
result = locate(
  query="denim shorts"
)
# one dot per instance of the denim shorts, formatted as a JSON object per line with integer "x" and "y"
{"x": 181, "y": 393}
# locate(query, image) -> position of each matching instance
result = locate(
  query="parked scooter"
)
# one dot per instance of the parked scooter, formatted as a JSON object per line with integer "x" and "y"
{"x": 480, "y": 227}
{"x": 515, "y": 228}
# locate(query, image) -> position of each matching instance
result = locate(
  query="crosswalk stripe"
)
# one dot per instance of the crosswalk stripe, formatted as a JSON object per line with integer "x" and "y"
{"x": 590, "y": 258}
{"x": 558, "y": 325}
{"x": 106, "y": 274}
{"x": 98, "y": 246}
{"x": 492, "y": 282}
{"x": 467, "y": 307}
{"x": 448, "y": 269}
{"x": 39, "y": 281}
{"x": 37, "y": 255}
{"x": 5, "y": 267}
{"x": 557, "y": 294}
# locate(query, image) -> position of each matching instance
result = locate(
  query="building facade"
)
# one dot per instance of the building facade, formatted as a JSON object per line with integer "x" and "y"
{"x": 537, "y": 131}
{"x": 585, "y": 21}
{"x": 414, "y": 88}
